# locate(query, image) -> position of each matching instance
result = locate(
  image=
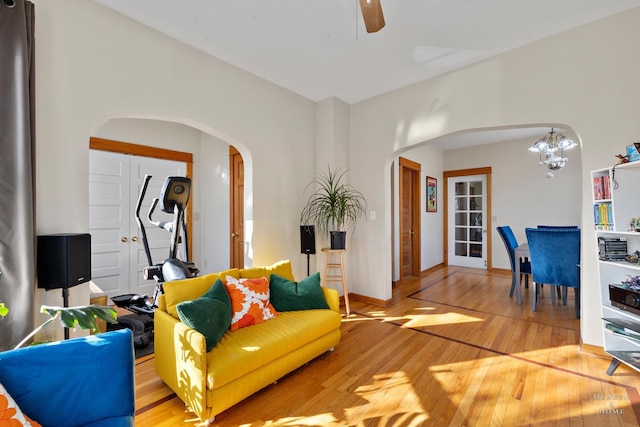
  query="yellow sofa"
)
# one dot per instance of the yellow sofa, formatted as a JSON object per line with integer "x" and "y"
{"x": 244, "y": 361}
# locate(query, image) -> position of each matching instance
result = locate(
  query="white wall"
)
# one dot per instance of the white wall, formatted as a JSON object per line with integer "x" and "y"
{"x": 93, "y": 65}
{"x": 430, "y": 158}
{"x": 214, "y": 213}
{"x": 597, "y": 98}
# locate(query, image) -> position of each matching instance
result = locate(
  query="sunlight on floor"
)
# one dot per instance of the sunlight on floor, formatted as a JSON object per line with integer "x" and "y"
{"x": 421, "y": 320}
{"x": 392, "y": 401}
{"x": 517, "y": 393}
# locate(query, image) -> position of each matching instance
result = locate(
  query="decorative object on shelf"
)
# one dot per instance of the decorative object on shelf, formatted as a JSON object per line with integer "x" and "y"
{"x": 633, "y": 258}
{"x": 432, "y": 194}
{"x": 550, "y": 146}
{"x": 631, "y": 282}
{"x": 622, "y": 159}
{"x": 633, "y": 155}
{"x": 333, "y": 206}
{"x": 634, "y": 224}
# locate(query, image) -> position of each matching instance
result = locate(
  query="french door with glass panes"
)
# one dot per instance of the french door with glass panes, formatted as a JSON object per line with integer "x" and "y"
{"x": 467, "y": 207}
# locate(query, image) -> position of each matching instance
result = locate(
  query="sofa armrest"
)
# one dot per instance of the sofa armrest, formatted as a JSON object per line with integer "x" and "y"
{"x": 181, "y": 360}
{"x": 63, "y": 383}
{"x": 333, "y": 298}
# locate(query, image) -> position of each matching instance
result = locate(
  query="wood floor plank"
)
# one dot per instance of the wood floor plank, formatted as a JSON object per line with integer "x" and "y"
{"x": 453, "y": 349}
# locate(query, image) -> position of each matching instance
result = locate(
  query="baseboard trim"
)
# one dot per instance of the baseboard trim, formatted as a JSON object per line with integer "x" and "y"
{"x": 369, "y": 300}
{"x": 593, "y": 350}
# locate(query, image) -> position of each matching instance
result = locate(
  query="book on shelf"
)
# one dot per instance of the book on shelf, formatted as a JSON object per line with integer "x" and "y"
{"x": 602, "y": 215}
{"x": 601, "y": 187}
{"x": 629, "y": 357}
{"x": 606, "y": 187}
{"x": 597, "y": 188}
{"x": 624, "y": 323}
{"x": 619, "y": 330}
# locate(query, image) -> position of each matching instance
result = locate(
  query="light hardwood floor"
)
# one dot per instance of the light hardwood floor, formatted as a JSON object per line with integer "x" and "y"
{"x": 452, "y": 350}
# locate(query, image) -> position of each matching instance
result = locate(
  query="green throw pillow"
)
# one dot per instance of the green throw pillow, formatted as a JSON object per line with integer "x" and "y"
{"x": 292, "y": 296}
{"x": 210, "y": 314}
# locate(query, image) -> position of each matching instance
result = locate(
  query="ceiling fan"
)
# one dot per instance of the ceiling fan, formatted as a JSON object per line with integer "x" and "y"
{"x": 372, "y": 14}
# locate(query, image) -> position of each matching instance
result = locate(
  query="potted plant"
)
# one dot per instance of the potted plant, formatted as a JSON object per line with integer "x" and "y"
{"x": 333, "y": 206}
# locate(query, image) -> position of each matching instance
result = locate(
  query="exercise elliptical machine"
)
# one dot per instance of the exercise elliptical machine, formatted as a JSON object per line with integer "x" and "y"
{"x": 173, "y": 199}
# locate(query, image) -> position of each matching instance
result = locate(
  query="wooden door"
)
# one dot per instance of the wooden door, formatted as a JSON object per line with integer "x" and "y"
{"x": 236, "y": 194}
{"x": 410, "y": 247}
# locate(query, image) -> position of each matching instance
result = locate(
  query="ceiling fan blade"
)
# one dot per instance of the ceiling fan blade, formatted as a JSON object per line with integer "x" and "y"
{"x": 372, "y": 14}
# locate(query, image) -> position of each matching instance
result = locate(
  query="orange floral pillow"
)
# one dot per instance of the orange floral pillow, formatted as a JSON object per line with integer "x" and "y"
{"x": 10, "y": 414}
{"x": 249, "y": 301}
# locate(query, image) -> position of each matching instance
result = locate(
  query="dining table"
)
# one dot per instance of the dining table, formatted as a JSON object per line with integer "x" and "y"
{"x": 522, "y": 251}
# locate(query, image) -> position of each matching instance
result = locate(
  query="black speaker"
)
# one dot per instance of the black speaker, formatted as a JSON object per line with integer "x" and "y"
{"x": 307, "y": 239}
{"x": 64, "y": 260}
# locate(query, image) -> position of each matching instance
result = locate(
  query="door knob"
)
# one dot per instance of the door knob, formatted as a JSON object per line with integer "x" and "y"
{"x": 134, "y": 239}
{"x": 234, "y": 234}
{"x": 124, "y": 240}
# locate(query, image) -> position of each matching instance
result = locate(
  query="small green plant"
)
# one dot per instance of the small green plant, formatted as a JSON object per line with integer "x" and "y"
{"x": 334, "y": 205}
{"x": 84, "y": 317}
{"x": 70, "y": 317}
{"x": 3, "y": 310}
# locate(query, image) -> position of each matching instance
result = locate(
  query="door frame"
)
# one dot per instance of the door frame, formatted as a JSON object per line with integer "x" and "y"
{"x": 153, "y": 152}
{"x": 233, "y": 212}
{"x": 467, "y": 172}
{"x": 416, "y": 243}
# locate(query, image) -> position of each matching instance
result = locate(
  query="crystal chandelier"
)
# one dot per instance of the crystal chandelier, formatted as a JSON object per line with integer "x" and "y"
{"x": 551, "y": 147}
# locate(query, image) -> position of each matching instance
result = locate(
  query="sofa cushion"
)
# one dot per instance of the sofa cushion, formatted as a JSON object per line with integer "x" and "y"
{"x": 287, "y": 295}
{"x": 248, "y": 349}
{"x": 249, "y": 301}
{"x": 210, "y": 314}
{"x": 281, "y": 268}
{"x": 11, "y": 414}
{"x": 178, "y": 291}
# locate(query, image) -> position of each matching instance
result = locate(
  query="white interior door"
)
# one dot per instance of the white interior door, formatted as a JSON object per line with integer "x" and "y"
{"x": 467, "y": 207}
{"x": 109, "y": 220}
{"x": 159, "y": 239}
{"x": 117, "y": 251}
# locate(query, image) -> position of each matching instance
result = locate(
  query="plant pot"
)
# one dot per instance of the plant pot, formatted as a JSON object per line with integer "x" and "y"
{"x": 338, "y": 239}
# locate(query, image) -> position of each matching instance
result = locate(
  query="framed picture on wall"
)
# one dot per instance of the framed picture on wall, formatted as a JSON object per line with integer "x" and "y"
{"x": 432, "y": 194}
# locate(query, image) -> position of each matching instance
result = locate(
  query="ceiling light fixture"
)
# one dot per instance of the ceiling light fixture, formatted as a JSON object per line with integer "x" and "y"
{"x": 552, "y": 147}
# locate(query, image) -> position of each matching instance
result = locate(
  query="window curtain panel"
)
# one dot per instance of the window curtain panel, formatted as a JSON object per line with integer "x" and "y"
{"x": 17, "y": 157}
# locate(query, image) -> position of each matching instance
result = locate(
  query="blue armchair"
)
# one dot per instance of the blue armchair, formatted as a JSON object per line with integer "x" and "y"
{"x": 511, "y": 243}
{"x": 555, "y": 260}
{"x": 86, "y": 381}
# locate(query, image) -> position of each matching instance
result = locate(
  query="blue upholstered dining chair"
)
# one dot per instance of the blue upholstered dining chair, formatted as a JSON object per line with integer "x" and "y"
{"x": 511, "y": 243}
{"x": 554, "y": 254}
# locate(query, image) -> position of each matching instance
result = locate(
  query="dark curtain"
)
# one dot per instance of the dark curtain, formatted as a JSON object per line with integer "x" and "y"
{"x": 17, "y": 158}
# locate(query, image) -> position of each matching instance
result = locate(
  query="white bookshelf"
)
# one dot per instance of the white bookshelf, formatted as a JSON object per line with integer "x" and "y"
{"x": 622, "y": 201}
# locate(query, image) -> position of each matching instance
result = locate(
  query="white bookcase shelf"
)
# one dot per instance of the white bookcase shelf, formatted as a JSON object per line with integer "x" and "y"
{"x": 616, "y": 199}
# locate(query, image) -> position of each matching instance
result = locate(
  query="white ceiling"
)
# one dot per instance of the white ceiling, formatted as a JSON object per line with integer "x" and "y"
{"x": 320, "y": 49}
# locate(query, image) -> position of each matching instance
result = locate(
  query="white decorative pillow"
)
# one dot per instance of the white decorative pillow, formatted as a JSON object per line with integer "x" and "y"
{"x": 10, "y": 413}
